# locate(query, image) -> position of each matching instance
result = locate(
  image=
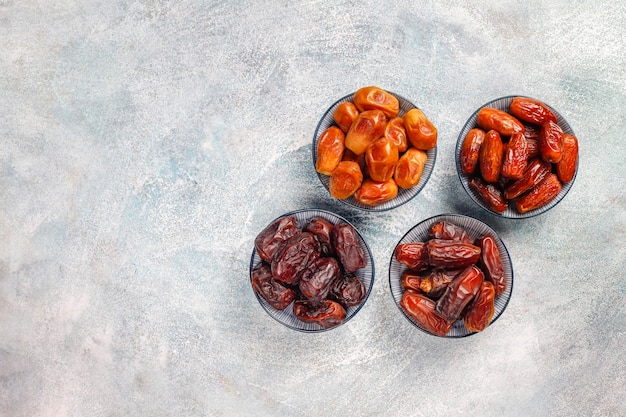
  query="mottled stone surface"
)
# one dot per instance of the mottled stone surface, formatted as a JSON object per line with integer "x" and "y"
{"x": 143, "y": 145}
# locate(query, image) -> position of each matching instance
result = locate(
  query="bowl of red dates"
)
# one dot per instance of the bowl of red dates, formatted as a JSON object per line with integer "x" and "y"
{"x": 451, "y": 276}
{"x": 517, "y": 157}
{"x": 374, "y": 150}
{"x": 311, "y": 270}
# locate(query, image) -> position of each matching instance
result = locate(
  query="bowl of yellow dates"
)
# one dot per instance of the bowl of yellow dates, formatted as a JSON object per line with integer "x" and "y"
{"x": 374, "y": 149}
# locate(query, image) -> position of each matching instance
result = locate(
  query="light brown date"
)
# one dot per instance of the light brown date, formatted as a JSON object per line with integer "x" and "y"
{"x": 536, "y": 171}
{"x": 381, "y": 158}
{"x": 330, "y": 147}
{"x": 551, "y": 142}
{"x": 397, "y": 133}
{"x": 470, "y": 150}
{"x": 345, "y": 180}
{"x": 531, "y": 110}
{"x": 566, "y": 167}
{"x": 374, "y": 193}
{"x": 367, "y": 127}
{"x": 411, "y": 255}
{"x": 345, "y": 114}
{"x": 515, "y": 157}
{"x": 375, "y": 98}
{"x": 481, "y": 310}
{"x": 490, "y": 157}
{"x": 489, "y": 118}
{"x": 422, "y": 310}
{"x": 446, "y": 230}
{"x": 421, "y": 132}
{"x": 410, "y": 167}
{"x": 540, "y": 195}
{"x": 491, "y": 263}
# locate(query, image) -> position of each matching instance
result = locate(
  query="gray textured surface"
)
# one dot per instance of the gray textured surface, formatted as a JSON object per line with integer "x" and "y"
{"x": 143, "y": 145}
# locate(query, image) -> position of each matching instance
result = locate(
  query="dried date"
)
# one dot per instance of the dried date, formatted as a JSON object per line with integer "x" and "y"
{"x": 481, "y": 310}
{"x": 348, "y": 290}
{"x": 450, "y": 231}
{"x": 347, "y": 247}
{"x": 450, "y": 254}
{"x": 325, "y": 313}
{"x": 294, "y": 256}
{"x": 491, "y": 263}
{"x": 540, "y": 195}
{"x": 515, "y": 157}
{"x": 470, "y": 150}
{"x": 489, "y": 118}
{"x": 322, "y": 229}
{"x": 490, "y": 194}
{"x": 412, "y": 255}
{"x": 422, "y": 310}
{"x": 490, "y": 157}
{"x": 272, "y": 291}
{"x": 531, "y": 110}
{"x": 460, "y": 293}
{"x": 375, "y": 98}
{"x": 318, "y": 278}
{"x": 269, "y": 241}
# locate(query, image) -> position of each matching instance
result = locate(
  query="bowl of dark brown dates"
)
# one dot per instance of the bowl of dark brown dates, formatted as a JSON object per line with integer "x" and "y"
{"x": 451, "y": 276}
{"x": 517, "y": 157}
{"x": 374, "y": 149}
{"x": 311, "y": 270}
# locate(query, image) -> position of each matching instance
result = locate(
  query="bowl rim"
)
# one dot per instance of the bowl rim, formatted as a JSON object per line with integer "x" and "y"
{"x": 408, "y": 194}
{"x": 511, "y": 213}
{"x": 508, "y": 294}
{"x": 353, "y": 310}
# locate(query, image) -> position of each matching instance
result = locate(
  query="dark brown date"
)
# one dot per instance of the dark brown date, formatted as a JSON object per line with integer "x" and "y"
{"x": 449, "y": 231}
{"x": 491, "y": 263}
{"x": 347, "y": 247}
{"x": 450, "y": 254}
{"x": 325, "y": 313}
{"x": 411, "y": 255}
{"x": 318, "y": 278}
{"x": 490, "y": 194}
{"x": 294, "y": 256}
{"x": 435, "y": 283}
{"x": 269, "y": 241}
{"x": 422, "y": 310}
{"x": 515, "y": 157}
{"x": 411, "y": 280}
{"x": 272, "y": 291}
{"x": 460, "y": 293}
{"x": 322, "y": 229}
{"x": 481, "y": 310}
{"x": 536, "y": 171}
{"x": 348, "y": 290}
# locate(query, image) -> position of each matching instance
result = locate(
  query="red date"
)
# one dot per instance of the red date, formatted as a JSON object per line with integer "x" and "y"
{"x": 348, "y": 290}
{"x": 347, "y": 247}
{"x": 449, "y": 231}
{"x": 294, "y": 256}
{"x": 531, "y": 110}
{"x": 460, "y": 293}
{"x": 435, "y": 283}
{"x": 536, "y": 171}
{"x": 318, "y": 278}
{"x": 422, "y": 310}
{"x": 450, "y": 254}
{"x": 411, "y": 280}
{"x": 411, "y": 255}
{"x": 481, "y": 310}
{"x": 272, "y": 291}
{"x": 551, "y": 142}
{"x": 515, "y": 157}
{"x": 490, "y": 157}
{"x": 325, "y": 313}
{"x": 490, "y": 194}
{"x": 540, "y": 195}
{"x": 491, "y": 263}
{"x": 470, "y": 150}
{"x": 269, "y": 241}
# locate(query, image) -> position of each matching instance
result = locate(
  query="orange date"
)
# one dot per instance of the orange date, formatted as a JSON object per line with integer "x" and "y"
{"x": 470, "y": 150}
{"x": 540, "y": 195}
{"x": 345, "y": 114}
{"x": 375, "y": 98}
{"x": 515, "y": 157}
{"x": 566, "y": 167}
{"x": 489, "y": 118}
{"x": 330, "y": 147}
{"x": 531, "y": 110}
{"x": 345, "y": 180}
{"x": 421, "y": 132}
{"x": 374, "y": 193}
{"x": 397, "y": 133}
{"x": 481, "y": 310}
{"x": 551, "y": 142}
{"x": 422, "y": 310}
{"x": 367, "y": 127}
{"x": 410, "y": 167}
{"x": 490, "y": 157}
{"x": 381, "y": 158}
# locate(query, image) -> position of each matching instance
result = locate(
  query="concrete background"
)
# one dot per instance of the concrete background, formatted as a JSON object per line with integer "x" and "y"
{"x": 144, "y": 144}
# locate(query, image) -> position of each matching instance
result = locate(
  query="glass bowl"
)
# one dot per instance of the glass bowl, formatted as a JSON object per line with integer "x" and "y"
{"x": 404, "y": 195}
{"x": 503, "y": 103}
{"x": 365, "y": 274}
{"x": 475, "y": 228}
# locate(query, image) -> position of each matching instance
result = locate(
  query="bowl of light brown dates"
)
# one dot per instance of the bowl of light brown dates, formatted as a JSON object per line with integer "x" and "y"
{"x": 517, "y": 157}
{"x": 311, "y": 270}
{"x": 451, "y": 276}
{"x": 374, "y": 150}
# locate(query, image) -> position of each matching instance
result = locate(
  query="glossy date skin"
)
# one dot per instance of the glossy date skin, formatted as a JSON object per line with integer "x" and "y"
{"x": 294, "y": 256}
{"x": 368, "y": 126}
{"x": 411, "y": 280}
{"x": 531, "y": 110}
{"x": 566, "y": 168}
{"x": 396, "y": 132}
{"x": 535, "y": 172}
{"x": 491, "y": 263}
{"x": 272, "y": 291}
{"x": 330, "y": 148}
{"x": 470, "y": 150}
{"x": 322, "y": 229}
{"x": 325, "y": 313}
{"x": 374, "y": 193}
{"x": 269, "y": 241}
{"x": 460, "y": 293}
{"x": 491, "y": 156}
{"x": 375, "y": 98}
{"x": 450, "y": 254}
{"x": 410, "y": 167}
{"x": 434, "y": 284}
{"x": 345, "y": 114}
{"x": 481, "y": 310}
{"x": 318, "y": 278}
{"x": 349, "y": 252}
{"x": 422, "y": 309}
{"x": 493, "y": 119}
{"x": 450, "y": 231}
{"x": 490, "y": 194}
{"x": 348, "y": 290}
{"x": 515, "y": 157}
{"x": 412, "y": 255}
{"x": 551, "y": 142}
{"x": 345, "y": 179}
{"x": 421, "y": 132}
{"x": 540, "y": 195}
{"x": 381, "y": 158}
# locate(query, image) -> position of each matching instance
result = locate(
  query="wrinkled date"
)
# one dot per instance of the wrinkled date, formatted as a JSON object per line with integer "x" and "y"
{"x": 325, "y": 313}
{"x": 313, "y": 267}
{"x": 451, "y": 277}
{"x": 384, "y": 151}
{"x": 505, "y": 174}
